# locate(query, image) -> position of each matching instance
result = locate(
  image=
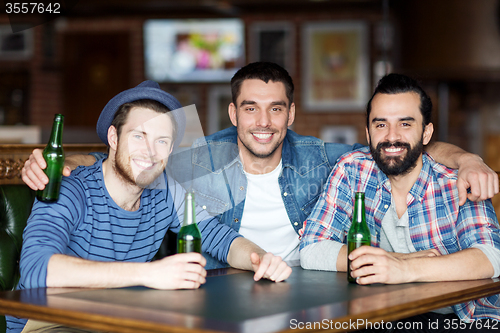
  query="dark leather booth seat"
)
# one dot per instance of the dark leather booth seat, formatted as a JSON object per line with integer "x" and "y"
{"x": 15, "y": 208}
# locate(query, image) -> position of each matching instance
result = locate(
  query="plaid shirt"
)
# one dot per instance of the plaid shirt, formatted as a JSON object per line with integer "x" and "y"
{"x": 436, "y": 220}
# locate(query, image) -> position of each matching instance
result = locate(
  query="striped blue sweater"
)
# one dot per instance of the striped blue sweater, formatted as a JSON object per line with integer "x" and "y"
{"x": 85, "y": 222}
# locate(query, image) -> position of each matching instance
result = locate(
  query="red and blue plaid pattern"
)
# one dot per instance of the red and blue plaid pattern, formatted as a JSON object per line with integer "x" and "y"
{"x": 436, "y": 220}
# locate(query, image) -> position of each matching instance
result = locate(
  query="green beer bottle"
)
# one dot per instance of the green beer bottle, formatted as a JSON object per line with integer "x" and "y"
{"x": 189, "y": 237}
{"x": 359, "y": 233}
{"x": 54, "y": 156}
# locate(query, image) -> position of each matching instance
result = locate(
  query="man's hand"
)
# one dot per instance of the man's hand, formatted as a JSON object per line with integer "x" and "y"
{"x": 473, "y": 173}
{"x": 374, "y": 265}
{"x": 32, "y": 172}
{"x": 270, "y": 267}
{"x": 179, "y": 271}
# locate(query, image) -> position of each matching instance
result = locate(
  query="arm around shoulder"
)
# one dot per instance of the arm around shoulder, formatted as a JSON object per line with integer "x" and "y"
{"x": 32, "y": 172}
{"x": 473, "y": 173}
{"x": 74, "y": 161}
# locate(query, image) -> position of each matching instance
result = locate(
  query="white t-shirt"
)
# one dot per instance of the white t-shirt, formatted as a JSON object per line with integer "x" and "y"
{"x": 265, "y": 221}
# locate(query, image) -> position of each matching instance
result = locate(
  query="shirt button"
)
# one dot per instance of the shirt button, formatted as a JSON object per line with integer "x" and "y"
{"x": 386, "y": 206}
{"x": 296, "y": 223}
{"x": 236, "y": 220}
{"x": 241, "y": 188}
{"x": 285, "y": 194}
{"x": 204, "y": 207}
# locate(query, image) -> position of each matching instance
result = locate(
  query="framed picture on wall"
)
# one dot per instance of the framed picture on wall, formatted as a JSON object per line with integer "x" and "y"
{"x": 339, "y": 134}
{"x": 335, "y": 66}
{"x": 219, "y": 98}
{"x": 273, "y": 42}
{"x": 15, "y": 46}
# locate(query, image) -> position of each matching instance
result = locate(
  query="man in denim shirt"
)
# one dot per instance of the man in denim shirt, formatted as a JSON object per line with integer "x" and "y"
{"x": 263, "y": 179}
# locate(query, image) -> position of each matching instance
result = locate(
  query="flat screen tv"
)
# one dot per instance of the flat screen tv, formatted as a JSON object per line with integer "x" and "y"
{"x": 197, "y": 50}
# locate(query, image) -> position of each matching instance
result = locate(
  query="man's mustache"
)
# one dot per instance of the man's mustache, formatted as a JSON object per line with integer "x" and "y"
{"x": 396, "y": 144}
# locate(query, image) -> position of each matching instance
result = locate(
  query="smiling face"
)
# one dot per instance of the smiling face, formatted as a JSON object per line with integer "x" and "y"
{"x": 143, "y": 147}
{"x": 262, "y": 115}
{"x": 395, "y": 132}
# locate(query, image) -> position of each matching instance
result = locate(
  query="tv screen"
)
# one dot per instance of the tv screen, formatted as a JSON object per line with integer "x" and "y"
{"x": 210, "y": 50}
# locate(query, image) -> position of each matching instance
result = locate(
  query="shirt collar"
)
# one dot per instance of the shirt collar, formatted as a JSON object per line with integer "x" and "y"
{"x": 419, "y": 188}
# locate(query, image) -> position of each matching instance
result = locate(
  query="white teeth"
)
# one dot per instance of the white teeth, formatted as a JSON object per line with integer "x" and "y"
{"x": 262, "y": 135}
{"x": 144, "y": 164}
{"x": 393, "y": 150}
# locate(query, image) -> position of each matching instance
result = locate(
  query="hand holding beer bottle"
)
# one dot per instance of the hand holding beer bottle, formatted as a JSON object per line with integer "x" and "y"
{"x": 54, "y": 156}
{"x": 189, "y": 237}
{"x": 359, "y": 233}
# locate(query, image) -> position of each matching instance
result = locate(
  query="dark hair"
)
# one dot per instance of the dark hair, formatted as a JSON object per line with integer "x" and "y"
{"x": 265, "y": 71}
{"x": 398, "y": 84}
{"x": 121, "y": 114}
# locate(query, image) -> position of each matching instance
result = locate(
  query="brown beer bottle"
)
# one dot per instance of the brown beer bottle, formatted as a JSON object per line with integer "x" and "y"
{"x": 54, "y": 156}
{"x": 359, "y": 233}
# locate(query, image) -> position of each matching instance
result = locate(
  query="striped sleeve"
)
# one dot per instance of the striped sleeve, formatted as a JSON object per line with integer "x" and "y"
{"x": 47, "y": 232}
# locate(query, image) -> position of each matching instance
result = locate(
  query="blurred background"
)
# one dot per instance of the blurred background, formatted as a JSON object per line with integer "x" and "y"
{"x": 335, "y": 50}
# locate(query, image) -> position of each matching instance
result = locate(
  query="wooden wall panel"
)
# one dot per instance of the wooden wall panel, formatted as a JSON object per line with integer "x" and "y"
{"x": 13, "y": 156}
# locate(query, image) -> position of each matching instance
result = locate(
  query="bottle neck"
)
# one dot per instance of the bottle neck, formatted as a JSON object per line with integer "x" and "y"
{"x": 189, "y": 215}
{"x": 57, "y": 131}
{"x": 359, "y": 208}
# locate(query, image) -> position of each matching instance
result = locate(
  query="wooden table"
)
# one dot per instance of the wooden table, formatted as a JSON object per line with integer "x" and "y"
{"x": 231, "y": 301}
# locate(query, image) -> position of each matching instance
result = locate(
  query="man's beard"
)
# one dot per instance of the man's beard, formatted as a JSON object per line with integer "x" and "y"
{"x": 396, "y": 166}
{"x": 124, "y": 170}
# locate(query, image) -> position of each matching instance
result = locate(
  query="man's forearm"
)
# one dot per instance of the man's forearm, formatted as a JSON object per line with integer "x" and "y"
{"x": 73, "y": 161}
{"x": 473, "y": 173}
{"x": 240, "y": 251}
{"x": 468, "y": 264}
{"x": 447, "y": 154}
{"x": 244, "y": 254}
{"x": 179, "y": 271}
{"x": 68, "y": 271}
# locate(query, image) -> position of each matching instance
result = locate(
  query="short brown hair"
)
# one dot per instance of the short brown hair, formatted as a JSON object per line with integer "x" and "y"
{"x": 264, "y": 71}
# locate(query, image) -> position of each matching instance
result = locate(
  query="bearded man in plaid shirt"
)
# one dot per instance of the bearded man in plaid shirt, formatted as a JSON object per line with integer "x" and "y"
{"x": 419, "y": 231}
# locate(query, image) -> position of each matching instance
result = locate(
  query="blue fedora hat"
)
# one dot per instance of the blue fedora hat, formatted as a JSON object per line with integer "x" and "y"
{"x": 145, "y": 90}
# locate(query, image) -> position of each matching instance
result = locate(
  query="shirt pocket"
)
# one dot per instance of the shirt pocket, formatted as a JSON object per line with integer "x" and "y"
{"x": 309, "y": 205}
{"x": 450, "y": 242}
{"x": 212, "y": 205}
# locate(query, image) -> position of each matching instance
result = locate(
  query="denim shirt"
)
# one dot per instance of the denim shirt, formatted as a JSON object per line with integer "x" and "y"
{"x": 219, "y": 183}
